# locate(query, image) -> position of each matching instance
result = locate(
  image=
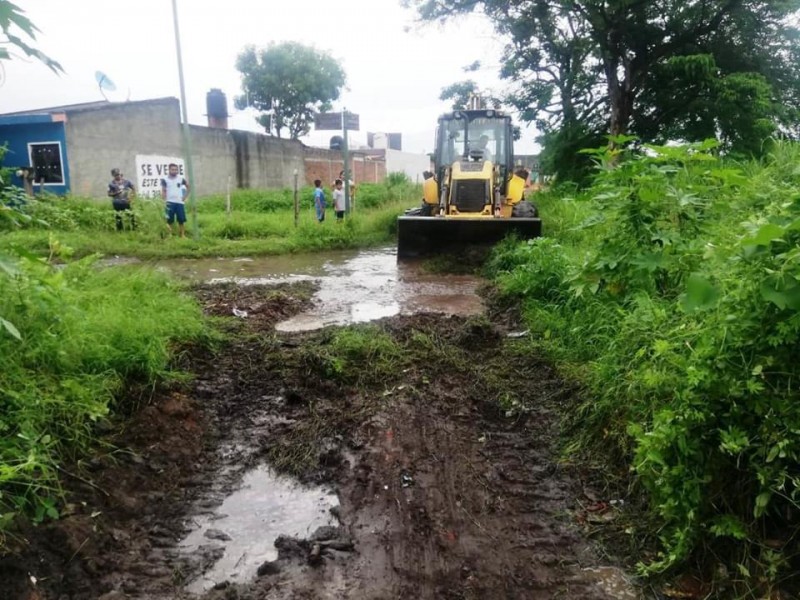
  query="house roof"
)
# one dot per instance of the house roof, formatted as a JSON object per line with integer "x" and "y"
{"x": 55, "y": 113}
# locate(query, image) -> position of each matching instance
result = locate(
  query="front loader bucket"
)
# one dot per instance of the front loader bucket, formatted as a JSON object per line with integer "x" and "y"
{"x": 418, "y": 236}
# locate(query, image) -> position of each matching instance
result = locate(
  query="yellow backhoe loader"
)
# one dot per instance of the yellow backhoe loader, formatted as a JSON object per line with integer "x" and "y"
{"x": 473, "y": 197}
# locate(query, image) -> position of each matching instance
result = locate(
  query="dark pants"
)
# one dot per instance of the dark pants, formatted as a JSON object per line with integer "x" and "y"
{"x": 121, "y": 208}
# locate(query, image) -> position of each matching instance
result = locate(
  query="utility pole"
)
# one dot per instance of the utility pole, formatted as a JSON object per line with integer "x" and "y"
{"x": 187, "y": 141}
{"x": 296, "y": 203}
{"x": 345, "y": 155}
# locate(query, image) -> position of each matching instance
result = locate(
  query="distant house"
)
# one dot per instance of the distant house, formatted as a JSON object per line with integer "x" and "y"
{"x": 38, "y": 139}
{"x": 71, "y": 149}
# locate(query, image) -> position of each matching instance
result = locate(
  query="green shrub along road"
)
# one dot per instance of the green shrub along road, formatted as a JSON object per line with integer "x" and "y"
{"x": 261, "y": 222}
{"x": 72, "y": 340}
{"x": 671, "y": 290}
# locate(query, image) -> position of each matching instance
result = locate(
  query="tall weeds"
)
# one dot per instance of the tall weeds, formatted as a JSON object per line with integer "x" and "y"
{"x": 672, "y": 288}
{"x": 80, "y": 334}
{"x": 260, "y": 222}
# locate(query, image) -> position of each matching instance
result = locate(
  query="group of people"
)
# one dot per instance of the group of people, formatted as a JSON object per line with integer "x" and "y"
{"x": 338, "y": 194}
{"x": 174, "y": 190}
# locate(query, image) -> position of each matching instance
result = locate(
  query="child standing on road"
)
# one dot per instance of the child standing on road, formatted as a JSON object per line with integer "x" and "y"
{"x": 319, "y": 200}
{"x": 338, "y": 199}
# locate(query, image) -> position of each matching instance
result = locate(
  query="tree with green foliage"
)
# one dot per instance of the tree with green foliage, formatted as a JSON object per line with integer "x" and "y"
{"x": 459, "y": 93}
{"x": 16, "y": 27}
{"x": 602, "y": 66}
{"x": 288, "y": 83}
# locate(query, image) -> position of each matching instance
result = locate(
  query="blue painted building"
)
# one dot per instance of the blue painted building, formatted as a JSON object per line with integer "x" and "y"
{"x": 37, "y": 141}
{"x": 71, "y": 149}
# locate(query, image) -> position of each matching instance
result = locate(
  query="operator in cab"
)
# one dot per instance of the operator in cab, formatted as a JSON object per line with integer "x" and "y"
{"x": 483, "y": 145}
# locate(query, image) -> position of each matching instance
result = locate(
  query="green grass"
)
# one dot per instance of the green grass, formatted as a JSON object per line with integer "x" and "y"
{"x": 78, "y": 337}
{"x": 262, "y": 222}
{"x": 361, "y": 354}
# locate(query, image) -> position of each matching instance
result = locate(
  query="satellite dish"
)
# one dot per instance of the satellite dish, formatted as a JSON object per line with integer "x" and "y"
{"x": 104, "y": 83}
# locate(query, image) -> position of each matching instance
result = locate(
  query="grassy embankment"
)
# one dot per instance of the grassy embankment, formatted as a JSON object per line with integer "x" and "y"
{"x": 261, "y": 222}
{"x": 671, "y": 289}
{"x": 75, "y": 340}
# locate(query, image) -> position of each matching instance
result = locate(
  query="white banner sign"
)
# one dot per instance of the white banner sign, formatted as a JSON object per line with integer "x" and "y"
{"x": 151, "y": 169}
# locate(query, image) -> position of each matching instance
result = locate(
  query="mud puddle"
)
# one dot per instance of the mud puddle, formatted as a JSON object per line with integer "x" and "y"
{"x": 437, "y": 434}
{"x": 352, "y": 287}
{"x": 243, "y": 529}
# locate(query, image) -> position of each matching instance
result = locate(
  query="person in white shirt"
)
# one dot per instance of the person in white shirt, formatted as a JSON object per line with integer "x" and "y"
{"x": 338, "y": 199}
{"x": 352, "y": 188}
{"x": 174, "y": 190}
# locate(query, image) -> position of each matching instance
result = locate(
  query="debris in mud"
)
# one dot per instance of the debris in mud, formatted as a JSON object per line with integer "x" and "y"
{"x": 326, "y": 532}
{"x": 290, "y": 547}
{"x": 514, "y": 335}
{"x": 325, "y": 541}
{"x": 271, "y": 567}
{"x": 216, "y": 534}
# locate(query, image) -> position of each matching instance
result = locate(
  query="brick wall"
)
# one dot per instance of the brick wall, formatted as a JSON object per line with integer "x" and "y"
{"x": 326, "y": 164}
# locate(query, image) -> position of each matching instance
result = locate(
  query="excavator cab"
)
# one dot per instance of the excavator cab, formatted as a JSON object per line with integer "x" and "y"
{"x": 473, "y": 165}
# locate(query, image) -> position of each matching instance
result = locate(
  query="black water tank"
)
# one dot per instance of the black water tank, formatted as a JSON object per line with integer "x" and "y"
{"x": 336, "y": 142}
{"x": 216, "y": 104}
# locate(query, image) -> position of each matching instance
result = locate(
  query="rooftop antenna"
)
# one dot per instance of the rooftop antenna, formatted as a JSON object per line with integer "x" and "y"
{"x": 104, "y": 83}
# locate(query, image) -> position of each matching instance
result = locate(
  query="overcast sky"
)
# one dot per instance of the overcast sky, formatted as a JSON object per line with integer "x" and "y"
{"x": 395, "y": 67}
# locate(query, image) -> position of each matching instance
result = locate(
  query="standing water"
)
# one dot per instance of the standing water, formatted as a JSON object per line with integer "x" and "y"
{"x": 354, "y": 287}
{"x": 244, "y": 528}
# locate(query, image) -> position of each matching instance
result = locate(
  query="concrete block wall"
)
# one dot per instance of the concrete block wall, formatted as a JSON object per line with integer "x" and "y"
{"x": 100, "y": 139}
{"x": 250, "y": 159}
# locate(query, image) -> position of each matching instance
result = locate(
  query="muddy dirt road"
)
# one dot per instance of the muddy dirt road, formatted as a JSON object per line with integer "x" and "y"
{"x": 412, "y": 457}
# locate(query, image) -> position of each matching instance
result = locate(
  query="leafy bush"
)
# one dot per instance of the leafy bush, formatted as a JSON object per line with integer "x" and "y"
{"x": 259, "y": 201}
{"x": 678, "y": 294}
{"x": 78, "y": 335}
{"x": 397, "y": 178}
{"x": 535, "y": 268}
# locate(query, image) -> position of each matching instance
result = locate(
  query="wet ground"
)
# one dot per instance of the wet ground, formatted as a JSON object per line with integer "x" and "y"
{"x": 411, "y": 457}
{"x": 351, "y": 287}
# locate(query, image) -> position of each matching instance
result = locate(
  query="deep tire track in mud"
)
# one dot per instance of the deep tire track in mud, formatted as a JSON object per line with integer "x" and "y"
{"x": 445, "y": 469}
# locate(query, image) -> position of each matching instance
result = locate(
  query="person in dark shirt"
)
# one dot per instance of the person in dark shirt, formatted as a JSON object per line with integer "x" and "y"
{"x": 121, "y": 192}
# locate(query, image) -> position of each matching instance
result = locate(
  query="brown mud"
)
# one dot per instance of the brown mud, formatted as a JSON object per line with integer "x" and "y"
{"x": 439, "y": 444}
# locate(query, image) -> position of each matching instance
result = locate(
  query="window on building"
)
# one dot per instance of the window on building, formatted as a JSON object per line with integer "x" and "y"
{"x": 46, "y": 162}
